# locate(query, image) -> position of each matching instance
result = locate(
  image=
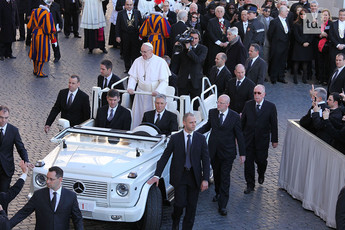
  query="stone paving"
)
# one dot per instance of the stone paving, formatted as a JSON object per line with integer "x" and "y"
{"x": 30, "y": 100}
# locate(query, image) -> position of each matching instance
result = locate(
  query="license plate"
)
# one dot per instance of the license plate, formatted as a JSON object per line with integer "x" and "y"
{"x": 86, "y": 205}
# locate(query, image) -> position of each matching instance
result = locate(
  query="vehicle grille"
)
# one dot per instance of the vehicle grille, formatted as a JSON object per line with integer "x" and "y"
{"x": 93, "y": 189}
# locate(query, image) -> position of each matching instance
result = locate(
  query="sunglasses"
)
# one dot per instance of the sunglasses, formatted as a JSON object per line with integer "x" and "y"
{"x": 231, "y": 8}
{"x": 257, "y": 93}
{"x": 194, "y": 17}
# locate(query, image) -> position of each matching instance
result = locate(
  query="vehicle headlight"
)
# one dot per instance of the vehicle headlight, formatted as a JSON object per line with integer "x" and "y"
{"x": 122, "y": 189}
{"x": 41, "y": 180}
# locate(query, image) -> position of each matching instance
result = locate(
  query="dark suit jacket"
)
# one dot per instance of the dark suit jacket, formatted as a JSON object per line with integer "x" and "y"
{"x": 172, "y": 17}
{"x": 122, "y": 30}
{"x": 257, "y": 128}
{"x": 46, "y": 218}
{"x": 221, "y": 81}
{"x": 238, "y": 97}
{"x": 222, "y": 141}
{"x": 7, "y": 197}
{"x": 176, "y": 29}
{"x": 240, "y": 28}
{"x": 11, "y": 137}
{"x": 257, "y": 71}
{"x": 77, "y": 113}
{"x": 56, "y": 13}
{"x": 113, "y": 79}
{"x": 334, "y": 34}
{"x": 66, "y": 5}
{"x": 340, "y": 210}
{"x": 121, "y": 120}
{"x": 236, "y": 54}
{"x": 338, "y": 85}
{"x": 199, "y": 154}
{"x": 167, "y": 123}
{"x": 307, "y": 122}
{"x": 189, "y": 63}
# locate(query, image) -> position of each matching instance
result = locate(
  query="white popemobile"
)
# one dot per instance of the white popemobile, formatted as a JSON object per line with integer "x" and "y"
{"x": 108, "y": 169}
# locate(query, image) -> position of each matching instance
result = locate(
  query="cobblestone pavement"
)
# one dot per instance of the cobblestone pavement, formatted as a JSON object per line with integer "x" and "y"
{"x": 30, "y": 100}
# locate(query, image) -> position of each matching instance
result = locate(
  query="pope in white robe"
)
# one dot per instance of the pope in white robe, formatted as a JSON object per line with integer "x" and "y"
{"x": 152, "y": 75}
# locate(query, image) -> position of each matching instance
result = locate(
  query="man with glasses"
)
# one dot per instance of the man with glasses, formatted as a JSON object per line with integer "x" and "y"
{"x": 151, "y": 73}
{"x": 226, "y": 130}
{"x": 259, "y": 125}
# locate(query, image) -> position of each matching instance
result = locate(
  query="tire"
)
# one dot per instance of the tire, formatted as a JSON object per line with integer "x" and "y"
{"x": 152, "y": 218}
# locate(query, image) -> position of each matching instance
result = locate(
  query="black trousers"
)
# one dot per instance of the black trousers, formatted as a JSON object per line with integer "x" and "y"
{"x": 260, "y": 158}
{"x": 57, "y": 54}
{"x": 22, "y": 25}
{"x": 221, "y": 174}
{"x": 190, "y": 90}
{"x": 5, "y": 49}
{"x": 131, "y": 45}
{"x": 73, "y": 14}
{"x": 186, "y": 196}
{"x": 5, "y": 180}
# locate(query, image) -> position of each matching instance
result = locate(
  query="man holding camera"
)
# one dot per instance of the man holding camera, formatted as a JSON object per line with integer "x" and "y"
{"x": 188, "y": 65}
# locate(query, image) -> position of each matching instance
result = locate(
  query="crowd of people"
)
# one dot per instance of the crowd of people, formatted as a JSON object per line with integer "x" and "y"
{"x": 237, "y": 46}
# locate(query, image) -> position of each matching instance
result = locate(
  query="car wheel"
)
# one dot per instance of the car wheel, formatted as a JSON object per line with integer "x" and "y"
{"x": 152, "y": 218}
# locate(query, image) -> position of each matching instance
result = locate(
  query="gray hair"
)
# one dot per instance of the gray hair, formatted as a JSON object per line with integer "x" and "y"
{"x": 314, "y": 2}
{"x": 283, "y": 8}
{"x": 161, "y": 96}
{"x": 283, "y": 1}
{"x": 233, "y": 30}
{"x": 321, "y": 92}
{"x": 181, "y": 15}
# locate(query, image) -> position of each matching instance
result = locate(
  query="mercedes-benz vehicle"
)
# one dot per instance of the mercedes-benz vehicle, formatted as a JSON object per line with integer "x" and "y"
{"x": 108, "y": 169}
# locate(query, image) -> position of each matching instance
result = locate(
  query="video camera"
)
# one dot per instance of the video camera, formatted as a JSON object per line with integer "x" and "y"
{"x": 182, "y": 39}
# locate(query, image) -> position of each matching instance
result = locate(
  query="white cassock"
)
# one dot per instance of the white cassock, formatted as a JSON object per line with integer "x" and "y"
{"x": 151, "y": 75}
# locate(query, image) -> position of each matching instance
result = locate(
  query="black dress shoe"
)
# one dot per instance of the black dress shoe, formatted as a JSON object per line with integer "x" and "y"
{"x": 21, "y": 39}
{"x": 223, "y": 211}
{"x": 11, "y": 57}
{"x": 248, "y": 190}
{"x": 2, "y": 58}
{"x": 66, "y": 36}
{"x": 77, "y": 36}
{"x": 90, "y": 51}
{"x": 56, "y": 60}
{"x": 261, "y": 179}
{"x": 34, "y": 73}
{"x": 215, "y": 198}
{"x": 274, "y": 82}
{"x": 104, "y": 51}
{"x": 283, "y": 81}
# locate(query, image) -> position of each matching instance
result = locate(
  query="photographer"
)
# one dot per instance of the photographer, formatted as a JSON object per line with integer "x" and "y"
{"x": 188, "y": 63}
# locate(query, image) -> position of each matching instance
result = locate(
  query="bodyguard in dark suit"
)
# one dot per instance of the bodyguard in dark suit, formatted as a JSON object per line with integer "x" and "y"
{"x": 189, "y": 170}
{"x": 188, "y": 65}
{"x": 278, "y": 36}
{"x": 113, "y": 115}
{"x": 239, "y": 89}
{"x": 107, "y": 79}
{"x": 9, "y": 136}
{"x": 256, "y": 67}
{"x": 337, "y": 80}
{"x": 259, "y": 125}
{"x": 226, "y": 129}
{"x": 53, "y": 206}
{"x": 127, "y": 27}
{"x": 219, "y": 74}
{"x": 337, "y": 38}
{"x": 73, "y": 104}
{"x": 216, "y": 33}
{"x": 165, "y": 120}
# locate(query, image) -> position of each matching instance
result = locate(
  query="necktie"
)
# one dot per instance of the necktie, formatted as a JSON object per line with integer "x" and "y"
{"x": 54, "y": 201}
{"x": 129, "y": 15}
{"x": 111, "y": 116}
{"x": 105, "y": 83}
{"x": 335, "y": 75}
{"x": 250, "y": 64}
{"x": 1, "y": 136}
{"x": 188, "y": 164}
{"x": 238, "y": 84}
{"x": 217, "y": 72}
{"x": 158, "y": 118}
{"x": 221, "y": 118}
{"x": 70, "y": 100}
{"x": 257, "y": 108}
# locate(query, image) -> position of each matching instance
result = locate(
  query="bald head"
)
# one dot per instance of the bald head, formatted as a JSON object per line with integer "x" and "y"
{"x": 129, "y": 5}
{"x": 223, "y": 103}
{"x": 240, "y": 71}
